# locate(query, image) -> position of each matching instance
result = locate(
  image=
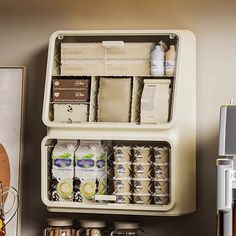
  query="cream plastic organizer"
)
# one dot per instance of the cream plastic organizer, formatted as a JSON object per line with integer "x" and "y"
{"x": 178, "y": 132}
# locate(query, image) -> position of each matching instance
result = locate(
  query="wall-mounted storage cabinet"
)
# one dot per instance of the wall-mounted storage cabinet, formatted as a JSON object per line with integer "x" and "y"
{"x": 121, "y": 122}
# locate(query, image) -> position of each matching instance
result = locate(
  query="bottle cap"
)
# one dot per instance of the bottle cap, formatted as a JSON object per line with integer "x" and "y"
{"x": 163, "y": 45}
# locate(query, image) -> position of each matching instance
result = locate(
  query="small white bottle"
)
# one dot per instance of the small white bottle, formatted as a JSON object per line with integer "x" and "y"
{"x": 170, "y": 61}
{"x": 157, "y": 61}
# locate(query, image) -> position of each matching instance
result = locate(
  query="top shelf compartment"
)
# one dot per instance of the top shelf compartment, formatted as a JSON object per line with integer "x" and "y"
{"x": 111, "y": 55}
{"x": 95, "y": 55}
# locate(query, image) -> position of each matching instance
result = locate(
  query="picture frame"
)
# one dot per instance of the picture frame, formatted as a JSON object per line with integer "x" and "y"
{"x": 12, "y": 135}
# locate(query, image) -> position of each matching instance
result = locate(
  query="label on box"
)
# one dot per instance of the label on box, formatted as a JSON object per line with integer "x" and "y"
{"x": 73, "y": 84}
{"x": 70, "y": 95}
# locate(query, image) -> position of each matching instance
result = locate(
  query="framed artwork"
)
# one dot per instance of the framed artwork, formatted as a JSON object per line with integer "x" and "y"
{"x": 12, "y": 103}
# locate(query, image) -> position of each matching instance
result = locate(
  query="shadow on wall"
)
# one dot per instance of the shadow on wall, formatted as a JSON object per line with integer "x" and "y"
{"x": 34, "y": 212}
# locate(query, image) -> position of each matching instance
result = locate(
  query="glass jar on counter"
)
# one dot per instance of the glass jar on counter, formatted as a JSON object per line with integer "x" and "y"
{"x": 93, "y": 228}
{"x": 127, "y": 229}
{"x": 60, "y": 227}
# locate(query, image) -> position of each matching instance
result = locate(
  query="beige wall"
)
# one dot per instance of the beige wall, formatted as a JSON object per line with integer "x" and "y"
{"x": 25, "y": 27}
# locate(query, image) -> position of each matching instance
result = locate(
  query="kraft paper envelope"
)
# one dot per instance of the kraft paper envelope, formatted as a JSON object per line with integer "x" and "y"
{"x": 114, "y": 99}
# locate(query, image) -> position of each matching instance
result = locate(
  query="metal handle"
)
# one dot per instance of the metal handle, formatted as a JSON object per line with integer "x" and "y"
{"x": 13, "y": 209}
{"x": 224, "y": 184}
{"x": 45, "y": 232}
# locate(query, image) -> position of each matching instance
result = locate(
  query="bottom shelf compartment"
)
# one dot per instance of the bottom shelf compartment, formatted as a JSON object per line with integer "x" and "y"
{"x": 107, "y": 175}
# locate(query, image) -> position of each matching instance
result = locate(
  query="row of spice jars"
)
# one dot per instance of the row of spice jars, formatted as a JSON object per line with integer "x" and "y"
{"x": 64, "y": 227}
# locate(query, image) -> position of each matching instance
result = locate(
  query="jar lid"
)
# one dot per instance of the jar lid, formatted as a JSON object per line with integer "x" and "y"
{"x": 126, "y": 225}
{"x": 92, "y": 224}
{"x": 60, "y": 221}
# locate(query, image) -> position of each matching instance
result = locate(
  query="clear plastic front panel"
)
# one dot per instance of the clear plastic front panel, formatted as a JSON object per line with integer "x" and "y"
{"x": 109, "y": 172}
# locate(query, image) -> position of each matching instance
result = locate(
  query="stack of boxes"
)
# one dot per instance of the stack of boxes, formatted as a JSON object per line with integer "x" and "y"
{"x": 70, "y": 99}
{"x": 109, "y": 58}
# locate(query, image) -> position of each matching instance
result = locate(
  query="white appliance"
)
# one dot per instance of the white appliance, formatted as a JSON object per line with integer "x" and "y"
{"x": 226, "y": 166}
{"x": 178, "y": 132}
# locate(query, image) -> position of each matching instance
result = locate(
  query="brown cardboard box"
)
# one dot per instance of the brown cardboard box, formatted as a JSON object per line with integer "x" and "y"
{"x": 83, "y": 67}
{"x": 108, "y": 67}
{"x": 76, "y": 84}
{"x": 94, "y": 51}
{"x": 69, "y": 113}
{"x": 127, "y": 67}
{"x": 70, "y": 95}
{"x": 130, "y": 51}
{"x": 78, "y": 51}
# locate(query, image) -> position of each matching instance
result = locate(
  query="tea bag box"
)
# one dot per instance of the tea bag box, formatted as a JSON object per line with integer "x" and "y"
{"x": 179, "y": 132}
{"x": 70, "y": 99}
